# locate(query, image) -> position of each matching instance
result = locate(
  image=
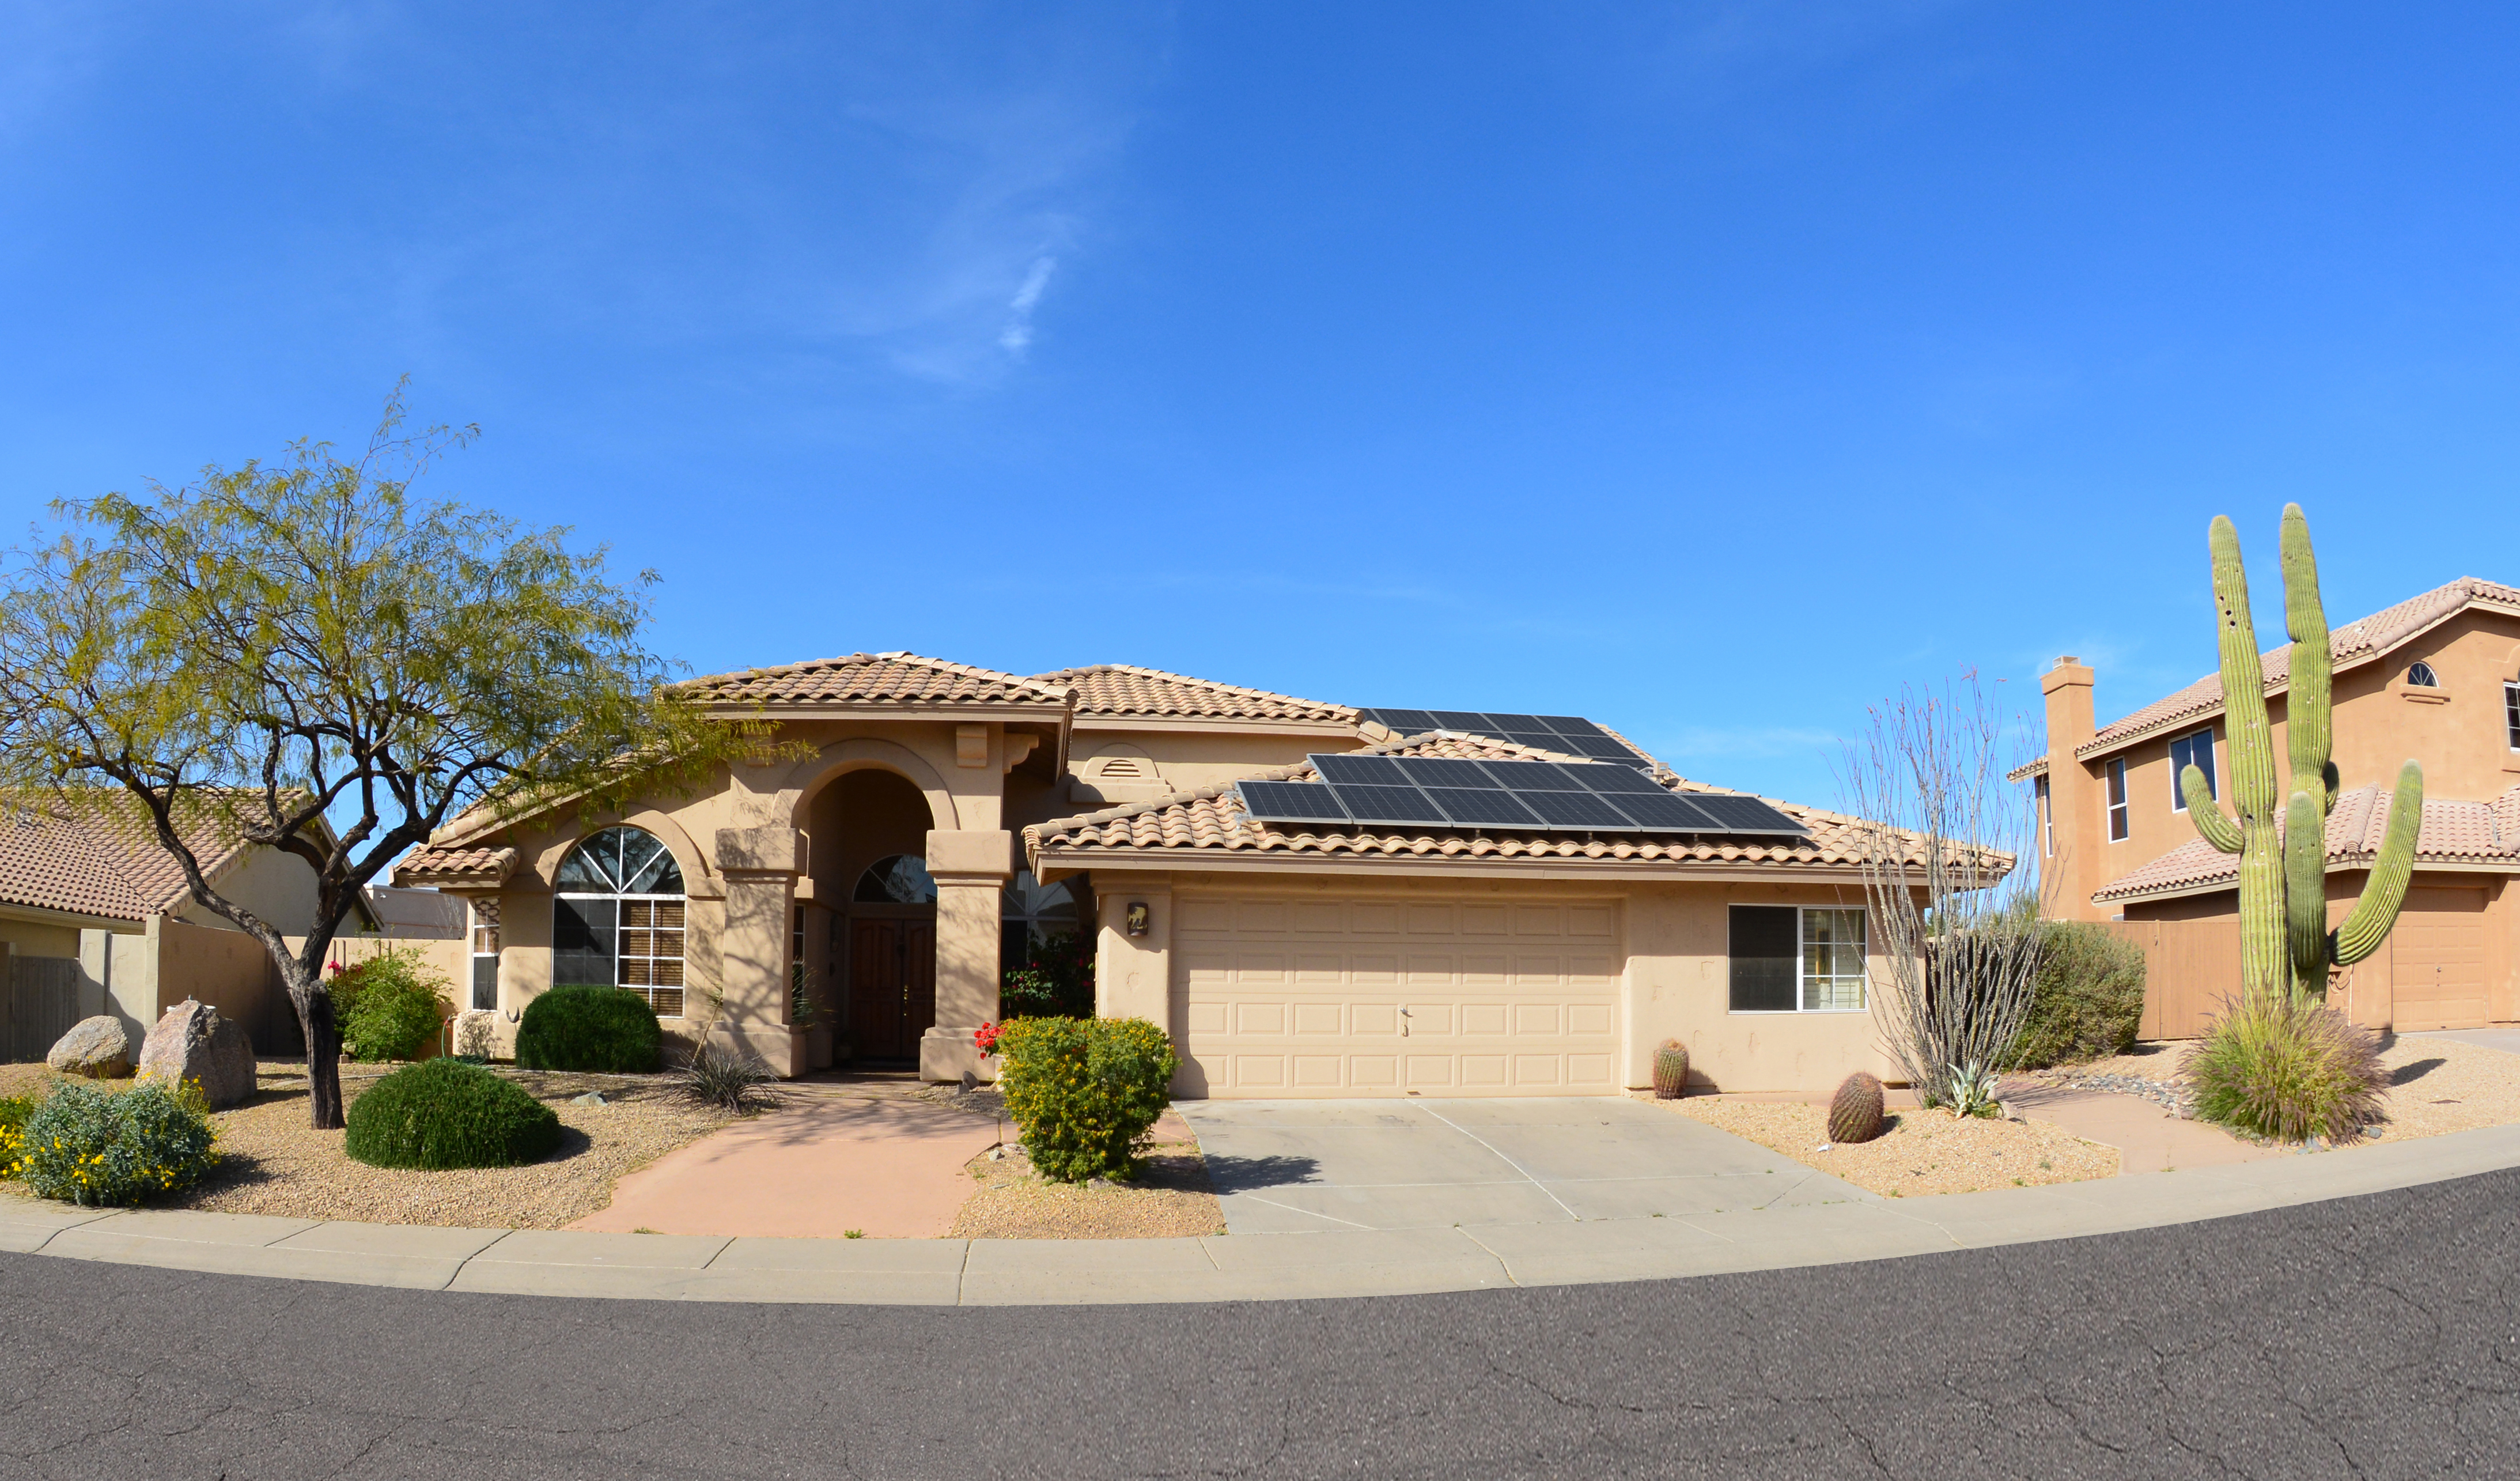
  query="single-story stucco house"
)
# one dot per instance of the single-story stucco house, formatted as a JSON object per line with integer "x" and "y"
{"x": 944, "y": 819}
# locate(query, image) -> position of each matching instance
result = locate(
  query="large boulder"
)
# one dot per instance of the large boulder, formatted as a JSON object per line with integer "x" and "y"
{"x": 98, "y": 1047}
{"x": 193, "y": 1043}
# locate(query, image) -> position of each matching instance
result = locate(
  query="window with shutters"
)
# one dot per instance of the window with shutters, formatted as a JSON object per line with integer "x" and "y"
{"x": 619, "y": 917}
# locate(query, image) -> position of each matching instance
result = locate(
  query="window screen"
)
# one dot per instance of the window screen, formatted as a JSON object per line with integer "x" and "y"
{"x": 2196, "y": 750}
{"x": 582, "y": 942}
{"x": 1766, "y": 942}
{"x": 486, "y": 981}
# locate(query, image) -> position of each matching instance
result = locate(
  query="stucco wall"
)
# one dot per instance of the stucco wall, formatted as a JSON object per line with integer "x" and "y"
{"x": 276, "y": 887}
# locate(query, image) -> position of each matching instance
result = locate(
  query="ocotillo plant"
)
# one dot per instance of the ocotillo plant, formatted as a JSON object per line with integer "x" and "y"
{"x": 2284, "y": 878}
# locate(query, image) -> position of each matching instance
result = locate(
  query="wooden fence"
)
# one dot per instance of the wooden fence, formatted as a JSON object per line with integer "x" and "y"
{"x": 2189, "y": 967}
{"x": 43, "y": 1004}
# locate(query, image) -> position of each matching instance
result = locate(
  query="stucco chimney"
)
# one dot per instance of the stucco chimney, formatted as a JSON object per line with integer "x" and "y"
{"x": 2074, "y": 806}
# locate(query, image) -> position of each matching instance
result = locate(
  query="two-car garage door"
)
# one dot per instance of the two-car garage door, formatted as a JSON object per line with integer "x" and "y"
{"x": 1279, "y": 997}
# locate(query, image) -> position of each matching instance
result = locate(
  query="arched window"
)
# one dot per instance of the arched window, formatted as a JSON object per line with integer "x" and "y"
{"x": 617, "y": 917}
{"x": 896, "y": 880}
{"x": 2420, "y": 674}
{"x": 1033, "y": 915}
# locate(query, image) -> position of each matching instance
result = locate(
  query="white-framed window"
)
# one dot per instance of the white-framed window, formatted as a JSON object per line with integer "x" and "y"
{"x": 617, "y": 917}
{"x": 2511, "y": 715}
{"x": 2196, "y": 750}
{"x": 2420, "y": 675}
{"x": 1789, "y": 958}
{"x": 486, "y": 954}
{"x": 2119, "y": 823}
{"x": 2046, "y": 801}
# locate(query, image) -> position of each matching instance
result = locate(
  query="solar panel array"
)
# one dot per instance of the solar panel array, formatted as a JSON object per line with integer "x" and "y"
{"x": 1569, "y": 735}
{"x": 1529, "y": 796}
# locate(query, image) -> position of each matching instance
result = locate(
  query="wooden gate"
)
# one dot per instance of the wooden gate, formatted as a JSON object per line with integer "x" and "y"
{"x": 2189, "y": 969}
{"x": 43, "y": 1004}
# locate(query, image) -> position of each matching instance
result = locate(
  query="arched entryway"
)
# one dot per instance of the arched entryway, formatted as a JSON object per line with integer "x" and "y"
{"x": 867, "y": 930}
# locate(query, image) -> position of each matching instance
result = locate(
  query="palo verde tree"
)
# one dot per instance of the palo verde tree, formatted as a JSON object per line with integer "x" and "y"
{"x": 306, "y": 655}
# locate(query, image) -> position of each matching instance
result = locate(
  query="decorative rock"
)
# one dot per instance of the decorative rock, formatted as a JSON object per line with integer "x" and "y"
{"x": 193, "y": 1043}
{"x": 98, "y": 1047}
{"x": 591, "y": 1098}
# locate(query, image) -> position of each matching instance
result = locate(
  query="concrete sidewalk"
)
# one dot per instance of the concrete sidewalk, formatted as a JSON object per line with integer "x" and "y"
{"x": 1228, "y": 1268}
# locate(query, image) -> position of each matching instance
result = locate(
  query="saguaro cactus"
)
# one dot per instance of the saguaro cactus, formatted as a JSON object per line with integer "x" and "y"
{"x": 2284, "y": 878}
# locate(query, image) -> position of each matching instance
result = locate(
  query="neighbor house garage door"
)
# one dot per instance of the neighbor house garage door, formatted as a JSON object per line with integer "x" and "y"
{"x": 1364, "y": 998}
{"x": 2436, "y": 960}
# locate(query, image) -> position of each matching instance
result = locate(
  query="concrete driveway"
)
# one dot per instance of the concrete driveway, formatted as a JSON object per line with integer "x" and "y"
{"x": 1289, "y": 1166}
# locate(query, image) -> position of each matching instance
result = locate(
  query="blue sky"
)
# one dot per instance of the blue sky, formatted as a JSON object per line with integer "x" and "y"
{"x": 1710, "y": 370}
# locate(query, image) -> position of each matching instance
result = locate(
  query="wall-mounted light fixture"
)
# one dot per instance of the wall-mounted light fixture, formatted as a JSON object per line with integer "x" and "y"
{"x": 1137, "y": 918}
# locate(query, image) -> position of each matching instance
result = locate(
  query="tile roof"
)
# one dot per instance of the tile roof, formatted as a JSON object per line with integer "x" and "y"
{"x": 2456, "y": 832}
{"x": 2355, "y": 641}
{"x": 877, "y": 679}
{"x": 2035, "y": 766}
{"x": 1124, "y": 689}
{"x": 1211, "y": 820}
{"x": 431, "y": 866}
{"x": 95, "y": 854}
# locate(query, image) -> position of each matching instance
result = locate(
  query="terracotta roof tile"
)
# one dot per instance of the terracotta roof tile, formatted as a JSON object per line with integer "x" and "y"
{"x": 904, "y": 679}
{"x": 2454, "y": 832}
{"x": 95, "y": 854}
{"x": 430, "y": 865}
{"x": 1124, "y": 689}
{"x": 2355, "y": 641}
{"x": 1211, "y": 818}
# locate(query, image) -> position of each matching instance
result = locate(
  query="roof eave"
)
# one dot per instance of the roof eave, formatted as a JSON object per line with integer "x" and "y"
{"x": 1056, "y": 863}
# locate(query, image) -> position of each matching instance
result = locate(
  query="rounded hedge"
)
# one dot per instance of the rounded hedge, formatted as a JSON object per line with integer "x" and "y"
{"x": 389, "y": 1006}
{"x": 1086, "y": 1092}
{"x": 609, "y": 1030}
{"x": 446, "y": 1113}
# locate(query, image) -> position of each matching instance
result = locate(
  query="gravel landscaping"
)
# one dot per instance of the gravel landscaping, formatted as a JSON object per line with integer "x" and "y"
{"x": 1919, "y": 1152}
{"x": 1171, "y": 1200}
{"x": 273, "y": 1163}
{"x": 2440, "y": 1084}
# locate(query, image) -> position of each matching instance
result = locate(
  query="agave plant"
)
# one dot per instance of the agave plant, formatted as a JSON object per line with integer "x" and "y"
{"x": 1973, "y": 1091}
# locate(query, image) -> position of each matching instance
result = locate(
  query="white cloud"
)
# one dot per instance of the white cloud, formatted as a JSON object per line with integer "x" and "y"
{"x": 1017, "y": 337}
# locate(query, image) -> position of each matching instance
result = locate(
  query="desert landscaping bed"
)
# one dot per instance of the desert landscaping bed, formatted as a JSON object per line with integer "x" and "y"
{"x": 2437, "y": 1086}
{"x": 1172, "y": 1199}
{"x": 1919, "y": 1152}
{"x": 273, "y": 1163}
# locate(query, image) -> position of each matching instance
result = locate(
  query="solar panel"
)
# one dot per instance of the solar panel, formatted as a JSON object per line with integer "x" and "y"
{"x": 1733, "y": 814}
{"x": 1532, "y": 776}
{"x": 1575, "y": 810}
{"x": 1443, "y": 771}
{"x": 1368, "y": 771}
{"x": 1568, "y": 725}
{"x": 1389, "y": 804}
{"x": 1291, "y": 803}
{"x": 1408, "y": 722}
{"x": 1473, "y": 808}
{"x": 1664, "y": 813}
{"x": 1620, "y": 780}
{"x": 1599, "y": 747}
{"x": 1518, "y": 723}
{"x": 1460, "y": 719}
{"x": 1539, "y": 739}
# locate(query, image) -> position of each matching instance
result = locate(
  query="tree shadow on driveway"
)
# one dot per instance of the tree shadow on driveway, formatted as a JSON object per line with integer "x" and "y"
{"x": 1242, "y": 1175}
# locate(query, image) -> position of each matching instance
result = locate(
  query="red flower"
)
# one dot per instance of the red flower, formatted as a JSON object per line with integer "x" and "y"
{"x": 986, "y": 1036}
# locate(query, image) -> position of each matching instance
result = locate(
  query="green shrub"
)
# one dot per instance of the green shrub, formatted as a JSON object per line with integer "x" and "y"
{"x": 606, "y": 1029}
{"x": 445, "y": 1113}
{"x": 2288, "y": 1068}
{"x": 102, "y": 1147}
{"x": 2087, "y": 1002}
{"x": 389, "y": 1006}
{"x": 1086, "y": 1092}
{"x": 14, "y": 1112}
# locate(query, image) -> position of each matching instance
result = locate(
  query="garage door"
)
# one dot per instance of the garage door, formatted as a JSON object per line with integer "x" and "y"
{"x": 1367, "y": 998}
{"x": 2436, "y": 960}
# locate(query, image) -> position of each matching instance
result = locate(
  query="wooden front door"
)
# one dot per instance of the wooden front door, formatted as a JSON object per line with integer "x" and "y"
{"x": 892, "y": 986}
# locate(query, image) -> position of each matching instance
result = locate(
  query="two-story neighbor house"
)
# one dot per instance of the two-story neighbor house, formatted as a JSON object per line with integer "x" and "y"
{"x": 2436, "y": 677}
{"x": 945, "y": 816}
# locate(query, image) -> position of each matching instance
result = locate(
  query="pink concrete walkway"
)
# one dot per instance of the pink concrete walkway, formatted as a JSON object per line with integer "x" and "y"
{"x": 2147, "y": 1136}
{"x": 818, "y": 1168}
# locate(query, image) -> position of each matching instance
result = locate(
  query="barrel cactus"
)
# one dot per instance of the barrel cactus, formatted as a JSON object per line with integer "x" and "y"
{"x": 1855, "y": 1112}
{"x": 1670, "y": 1069}
{"x": 2284, "y": 878}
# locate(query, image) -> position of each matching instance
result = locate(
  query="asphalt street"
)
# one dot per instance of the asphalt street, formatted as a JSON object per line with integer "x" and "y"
{"x": 2375, "y": 1336}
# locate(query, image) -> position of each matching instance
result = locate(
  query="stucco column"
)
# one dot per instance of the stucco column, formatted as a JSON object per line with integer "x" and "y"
{"x": 759, "y": 865}
{"x": 971, "y": 868}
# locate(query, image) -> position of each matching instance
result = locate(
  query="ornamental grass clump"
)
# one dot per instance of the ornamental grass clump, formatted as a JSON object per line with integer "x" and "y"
{"x": 603, "y": 1030}
{"x": 2287, "y": 1068}
{"x": 442, "y": 1113}
{"x": 730, "y": 1079}
{"x": 1086, "y": 1092}
{"x": 108, "y": 1148}
{"x": 389, "y": 1006}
